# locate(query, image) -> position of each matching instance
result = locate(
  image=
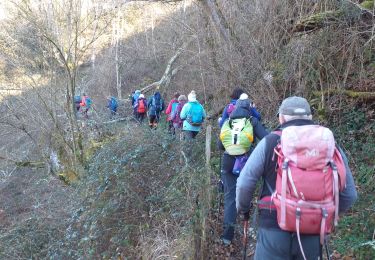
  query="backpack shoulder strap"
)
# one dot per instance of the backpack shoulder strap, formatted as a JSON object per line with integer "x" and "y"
{"x": 277, "y": 132}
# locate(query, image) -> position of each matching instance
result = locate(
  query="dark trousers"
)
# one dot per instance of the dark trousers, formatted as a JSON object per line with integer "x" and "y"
{"x": 171, "y": 128}
{"x": 141, "y": 117}
{"x": 229, "y": 182}
{"x": 153, "y": 120}
{"x": 190, "y": 134}
{"x": 277, "y": 244}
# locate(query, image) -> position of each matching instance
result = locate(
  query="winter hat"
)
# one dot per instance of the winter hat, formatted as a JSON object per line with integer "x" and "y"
{"x": 141, "y": 96}
{"x": 192, "y": 96}
{"x": 243, "y": 96}
{"x": 137, "y": 91}
{"x": 182, "y": 97}
{"x": 295, "y": 106}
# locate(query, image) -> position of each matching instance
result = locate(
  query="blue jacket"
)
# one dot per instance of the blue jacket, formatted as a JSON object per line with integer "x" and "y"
{"x": 112, "y": 104}
{"x": 225, "y": 115}
{"x": 135, "y": 97}
{"x": 185, "y": 112}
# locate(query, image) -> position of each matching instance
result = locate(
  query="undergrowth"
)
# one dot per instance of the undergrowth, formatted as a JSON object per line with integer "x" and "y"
{"x": 145, "y": 196}
{"x": 354, "y": 128}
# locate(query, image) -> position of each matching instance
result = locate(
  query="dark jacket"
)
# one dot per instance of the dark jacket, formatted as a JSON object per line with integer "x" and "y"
{"x": 225, "y": 114}
{"x": 151, "y": 107}
{"x": 262, "y": 164}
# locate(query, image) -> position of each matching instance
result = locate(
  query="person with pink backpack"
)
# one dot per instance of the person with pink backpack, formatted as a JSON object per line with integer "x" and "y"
{"x": 171, "y": 108}
{"x": 175, "y": 117}
{"x": 306, "y": 183}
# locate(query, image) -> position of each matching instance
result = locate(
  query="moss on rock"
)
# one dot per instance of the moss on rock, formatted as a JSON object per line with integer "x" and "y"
{"x": 317, "y": 20}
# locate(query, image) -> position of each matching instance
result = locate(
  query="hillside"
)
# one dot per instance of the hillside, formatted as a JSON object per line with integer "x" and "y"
{"x": 111, "y": 188}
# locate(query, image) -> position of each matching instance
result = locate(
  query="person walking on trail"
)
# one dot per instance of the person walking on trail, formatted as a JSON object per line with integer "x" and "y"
{"x": 193, "y": 115}
{"x": 155, "y": 107}
{"x": 310, "y": 182}
{"x": 141, "y": 108}
{"x": 77, "y": 102}
{"x": 176, "y": 115}
{"x": 236, "y": 138}
{"x": 231, "y": 106}
{"x": 134, "y": 101}
{"x": 170, "y": 110}
{"x": 112, "y": 105}
{"x": 85, "y": 104}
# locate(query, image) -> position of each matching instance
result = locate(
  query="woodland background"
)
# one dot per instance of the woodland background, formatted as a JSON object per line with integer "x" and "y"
{"x": 101, "y": 188}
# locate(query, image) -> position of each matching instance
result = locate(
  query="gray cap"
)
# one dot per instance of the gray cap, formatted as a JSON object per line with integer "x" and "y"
{"x": 295, "y": 106}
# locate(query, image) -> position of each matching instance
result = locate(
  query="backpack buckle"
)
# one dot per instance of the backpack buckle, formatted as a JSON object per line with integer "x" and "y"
{"x": 298, "y": 213}
{"x": 285, "y": 165}
{"x": 324, "y": 213}
{"x": 333, "y": 165}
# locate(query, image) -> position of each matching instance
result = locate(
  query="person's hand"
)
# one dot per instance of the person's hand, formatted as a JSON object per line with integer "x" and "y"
{"x": 245, "y": 216}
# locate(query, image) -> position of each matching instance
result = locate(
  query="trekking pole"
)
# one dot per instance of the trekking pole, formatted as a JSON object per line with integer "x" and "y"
{"x": 327, "y": 249}
{"x": 220, "y": 188}
{"x": 244, "y": 238}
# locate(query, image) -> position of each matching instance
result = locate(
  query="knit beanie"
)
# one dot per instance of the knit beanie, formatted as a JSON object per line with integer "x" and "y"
{"x": 182, "y": 97}
{"x": 192, "y": 96}
{"x": 243, "y": 96}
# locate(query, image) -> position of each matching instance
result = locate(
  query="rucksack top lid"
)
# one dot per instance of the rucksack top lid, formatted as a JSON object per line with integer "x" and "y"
{"x": 308, "y": 146}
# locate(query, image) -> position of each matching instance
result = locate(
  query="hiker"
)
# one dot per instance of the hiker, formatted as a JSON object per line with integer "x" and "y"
{"x": 77, "y": 101}
{"x": 170, "y": 110}
{"x": 176, "y": 119}
{"x": 321, "y": 175}
{"x": 112, "y": 105}
{"x": 85, "y": 105}
{"x": 155, "y": 107}
{"x": 193, "y": 115}
{"x": 230, "y": 107}
{"x": 141, "y": 108}
{"x": 236, "y": 138}
{"x": 134, "y": 101}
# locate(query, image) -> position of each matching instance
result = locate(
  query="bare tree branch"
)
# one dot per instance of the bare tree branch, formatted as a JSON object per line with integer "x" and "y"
{"x": 169, "y": 72}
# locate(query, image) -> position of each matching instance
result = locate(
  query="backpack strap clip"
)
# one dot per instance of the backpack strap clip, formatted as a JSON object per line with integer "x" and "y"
{"x": 285, "y": 165}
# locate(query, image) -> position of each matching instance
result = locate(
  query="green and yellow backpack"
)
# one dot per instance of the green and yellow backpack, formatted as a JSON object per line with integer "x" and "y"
{"x": 237, "y": 136}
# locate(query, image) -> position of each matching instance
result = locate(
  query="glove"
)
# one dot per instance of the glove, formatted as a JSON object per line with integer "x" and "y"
{"x": 246, "y": 216}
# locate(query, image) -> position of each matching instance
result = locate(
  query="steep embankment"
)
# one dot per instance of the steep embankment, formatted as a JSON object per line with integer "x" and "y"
{"x": 36, "y": 209}
{"x": 144, "y": 193}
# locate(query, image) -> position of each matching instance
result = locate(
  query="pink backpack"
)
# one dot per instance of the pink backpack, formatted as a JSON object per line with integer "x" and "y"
{"x": 310, "y": 175}
{"x": 231, "y": 107}
{"x": 176, "y": 119}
